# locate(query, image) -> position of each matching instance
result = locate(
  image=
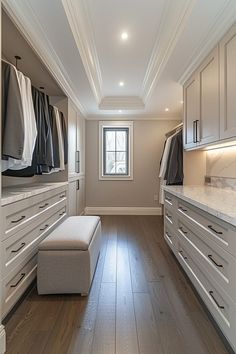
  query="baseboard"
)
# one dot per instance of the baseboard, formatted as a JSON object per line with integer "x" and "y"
{"x": 2, "y": 340}
{"x": 123, "y": 211}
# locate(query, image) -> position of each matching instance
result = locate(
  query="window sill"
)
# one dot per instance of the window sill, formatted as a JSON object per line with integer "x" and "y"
{"x": 116, "y": 178}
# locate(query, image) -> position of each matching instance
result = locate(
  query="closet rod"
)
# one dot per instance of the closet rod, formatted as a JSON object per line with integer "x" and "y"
{"x": 174, "y": 130}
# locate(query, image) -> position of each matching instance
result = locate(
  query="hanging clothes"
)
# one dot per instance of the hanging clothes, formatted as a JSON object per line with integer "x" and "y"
{"x": 60, "y": 138}
{"x": 12, "y": 114}
{"x": 174, "y": 171}
{"x": 55, "y": 137}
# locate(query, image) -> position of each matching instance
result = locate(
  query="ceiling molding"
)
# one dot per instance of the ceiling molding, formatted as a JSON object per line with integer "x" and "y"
{"x": 26, "y": 20}
{"x": 224, "y": 19}
{"x": 131, "y": 117}
{"x": 79, "y": 19}
{"x": 173, "y": 23}
{"x": 121, "y": 102}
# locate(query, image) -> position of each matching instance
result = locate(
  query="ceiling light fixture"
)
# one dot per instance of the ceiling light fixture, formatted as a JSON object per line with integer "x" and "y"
{"x": 121, "y": 83}
{"x": 182, "y": 102}
{"x": 120, "y": 111}
{"x": 124, "y": 36}
{"x": 167, "y": 109}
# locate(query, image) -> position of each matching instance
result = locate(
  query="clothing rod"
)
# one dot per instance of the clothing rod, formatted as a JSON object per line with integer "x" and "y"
{"x": 175, "y": 129}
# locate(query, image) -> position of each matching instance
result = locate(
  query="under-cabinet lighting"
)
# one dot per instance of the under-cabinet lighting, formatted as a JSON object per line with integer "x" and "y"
{"x": 124, "y": 36}
{"x": 224, "y": 145}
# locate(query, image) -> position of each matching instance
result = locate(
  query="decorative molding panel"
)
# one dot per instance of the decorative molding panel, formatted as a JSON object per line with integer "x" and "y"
{"x": 121, "y": 102}
{"x": 79, "y": 19}
{"x": 26, "y": 20}
{"x": 224, "y": 19}
{"x": 132, "y": 117}
{"x": 173, "y": 22}
{"x": 123, "y": 211}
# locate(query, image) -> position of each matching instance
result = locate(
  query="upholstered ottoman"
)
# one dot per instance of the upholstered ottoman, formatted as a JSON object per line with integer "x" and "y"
{"x": 67, "y": 258}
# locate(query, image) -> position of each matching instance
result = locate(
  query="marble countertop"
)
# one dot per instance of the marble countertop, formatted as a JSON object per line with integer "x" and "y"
{"x": 15, "y": 193}
{"x": 215, "y": 201}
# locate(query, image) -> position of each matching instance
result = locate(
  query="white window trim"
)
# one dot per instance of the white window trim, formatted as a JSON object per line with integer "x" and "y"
{"x": 120, "y": 124}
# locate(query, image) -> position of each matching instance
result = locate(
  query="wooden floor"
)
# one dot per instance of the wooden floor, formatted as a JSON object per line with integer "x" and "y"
{"x": 140, "y": 302}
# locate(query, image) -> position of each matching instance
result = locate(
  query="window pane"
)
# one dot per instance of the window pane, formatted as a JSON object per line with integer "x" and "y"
{"x": 121, "y": 137}
{"x": 121, "y": 163}
{"x": 110, "y": 140}
{"x": 110, "y": 163}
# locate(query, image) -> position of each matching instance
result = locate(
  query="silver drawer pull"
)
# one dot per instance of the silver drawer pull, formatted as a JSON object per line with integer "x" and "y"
{"x": 215, "y": 301}
{"x": 18, "y": 220}
{"x": 62, "y": 213}
{"x": 168, "y": 199}
{"x": 21, "y": 278}
{"x": 44, "y": 228}
{"x": 212, "y": 259}
{"x": 18, "y": 249}
{"x": 182, "y": 209}
{"x": 214, "y": 230}
{"x": 62, "y": 196}
{"x": 182, "y": 230}
{"x": 169, "y": 216}
{"x": 43, "y": 206}
{"x": 168, "y": 235}
{"x": 181, "y": 253}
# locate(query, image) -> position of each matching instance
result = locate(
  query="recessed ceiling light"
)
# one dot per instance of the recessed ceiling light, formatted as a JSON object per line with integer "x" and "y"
{"x": 121, "y": 83}
{"x": 182, "y": 102}
{"x": 167, "y": 109}
{"x": 120, "y": 111}
{"x": 124, "y": 36}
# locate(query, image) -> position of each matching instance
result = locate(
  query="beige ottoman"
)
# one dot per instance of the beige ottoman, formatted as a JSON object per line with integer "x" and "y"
{"x": 67, "y": 258}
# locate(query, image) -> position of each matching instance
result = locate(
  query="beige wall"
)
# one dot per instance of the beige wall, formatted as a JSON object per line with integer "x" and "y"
{"x": 194, "y": 167}
{"x": 221, "y": 162}
{"x": 149, "y": 138}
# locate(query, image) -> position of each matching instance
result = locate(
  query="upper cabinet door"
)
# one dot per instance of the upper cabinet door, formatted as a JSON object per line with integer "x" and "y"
{"x": 191, "y": 109}
{"x": 208, "y": 123}
{"x": 228, "y": 85}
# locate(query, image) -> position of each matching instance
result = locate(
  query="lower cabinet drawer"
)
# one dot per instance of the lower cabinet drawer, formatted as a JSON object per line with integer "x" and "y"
{"x": 213, "y": 259}
{"x": 170, "y": 237}
{"x": 16, "y": 283}
{"x": 221, "y": 306}
{"x": 18, "y": 246}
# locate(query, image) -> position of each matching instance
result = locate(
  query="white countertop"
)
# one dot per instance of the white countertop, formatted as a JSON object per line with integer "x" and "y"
{"x": 216, "y": 201}
{"x": 15, "y": 193}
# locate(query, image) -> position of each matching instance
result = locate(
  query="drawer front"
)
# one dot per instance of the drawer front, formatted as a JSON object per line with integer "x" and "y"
{"x": 169, "y": 216}
{"x": 170, "y": 237}
{"x": 217, "y": 230}
{"x": 169, "y": 200}
{"x": 18, "y": 246}
{"x": 218, "y": 263}
{"x": 20, "y": 214}
{"x": 15, "y": 284}
{"x": 222, "y": 308}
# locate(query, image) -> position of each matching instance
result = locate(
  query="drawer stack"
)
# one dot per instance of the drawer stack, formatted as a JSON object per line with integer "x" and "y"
{"x": 26, "y": 223}
{"x": 206, "y": 248}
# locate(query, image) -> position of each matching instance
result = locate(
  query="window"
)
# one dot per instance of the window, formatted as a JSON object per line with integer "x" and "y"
{"x": 116, "y": 139}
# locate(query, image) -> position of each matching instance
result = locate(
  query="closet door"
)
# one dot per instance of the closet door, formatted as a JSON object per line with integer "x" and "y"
{"x": 72, "y": 139}
{"x": 209, "y": 119}
{"x": 80, "y": 196}
{"x": 191, "y": 112}
{"x": 228, "y": 85}
{"x": 72, "y": 199}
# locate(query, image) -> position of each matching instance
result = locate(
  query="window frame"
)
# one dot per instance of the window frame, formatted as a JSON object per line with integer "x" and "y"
{"x": 128, "y": 125}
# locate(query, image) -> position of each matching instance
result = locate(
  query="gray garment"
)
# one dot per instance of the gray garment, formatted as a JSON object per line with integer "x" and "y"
{"x": 56, "y": 155}
{"x": 12, "y": 114}
{"x": 174, "y": 170}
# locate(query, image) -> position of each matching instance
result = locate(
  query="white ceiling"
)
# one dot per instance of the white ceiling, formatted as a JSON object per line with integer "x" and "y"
{"x": 79, "y": 40}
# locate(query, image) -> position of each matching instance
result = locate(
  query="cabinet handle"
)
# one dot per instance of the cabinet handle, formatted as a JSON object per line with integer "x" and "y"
{"x": 18, "y": 249}
{"x": 181, "y": 253}
{"x": 216, "y": 302}
{"x": 21, "y": 278}
{"x": 182, "y": 209}
{"x": 212, "y": 259}
{"x": 168, "y": 216}
{"x": 44, "y": 228}
{"x": 194, "y": 131}
{"x": 214, "y": 230}
{"x": 18, "y": 220}
{"x": 62, "y": 213}
{"x": 62, "y": 196}
{"x": 197, "y": 121}
{"x": 43, "y": 206}
{"x": 168, "y": 199}
{"x": 182, "y": 230}
{"x": 168, "y": 235}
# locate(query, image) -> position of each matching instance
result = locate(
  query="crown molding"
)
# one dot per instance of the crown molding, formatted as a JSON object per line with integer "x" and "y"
{"x": 173, "y": 22}
{"x": 121, "y": 102}
{"x": 26, "y": 20}
{"x": 131, "y": 117}
{"x": 79, "y": 19}
{"x": 224, "y": 19}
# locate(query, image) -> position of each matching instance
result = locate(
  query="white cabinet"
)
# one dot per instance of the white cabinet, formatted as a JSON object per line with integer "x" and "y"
{"x": 72, "y": 199}
{"x": 76, "y": 198}
{"x": 201, "y": 104}
{"x": 228, "y": 85}
{"x": 209, "y": 109}
{"x": 205, "y": 246}
{"x": 191, "y": 111}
